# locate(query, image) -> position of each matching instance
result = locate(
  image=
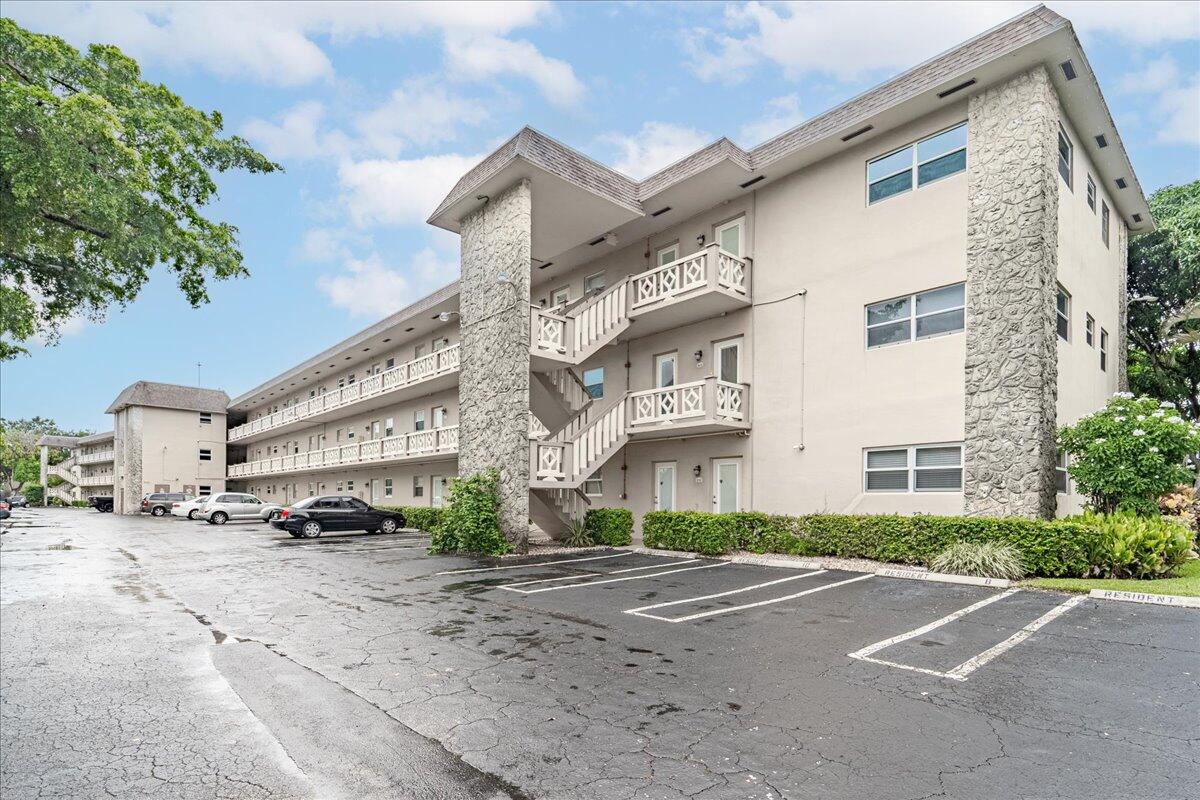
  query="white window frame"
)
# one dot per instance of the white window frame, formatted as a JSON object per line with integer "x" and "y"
{"x": 1059, "y": 314}
{"x": 1089, "y": 330}
{"x": 584, "y": 381}
{"x": 1069, "y": 176}
{"x": 564, "y": 293}
{"x": 724, "y": 344}
{"x": 589, "y": 283}
{"x": 205, "y": 418}
{"x": 740, "y": 224}
{"x": 914, "y": 165}
{"x": 419, "y": 419}
{"x": 593, "y": 485}
{"x": 440, "y": 343}
{"x": 1103, "y": 350}
{"x": 1105, "y": 216}
{"x": 387, "y": 487}
{"x": 1091, "y": 193}
{"x": 437, "y": 416}
{"x": 659, "y": 359}
{"x": 205, "y": 454}
{"x": 913, "y": 316}
{"x": 912, "y": 469}
{"x": 418, "y": 486}
{"x": 672, "y": 249}
{"x": 1060, "y": 468}
{"x": 389, "y": 426}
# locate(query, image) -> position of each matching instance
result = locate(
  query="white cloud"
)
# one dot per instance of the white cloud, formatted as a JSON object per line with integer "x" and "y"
{"x": 1176, "y": 109}
{"x": 851, "y": 40}
{"x": 1155, "y": 76}
{"x": 483, "y": 57}
{"x": 656, "y": 145}
{"x": 273, "y": 42}
{"x": 399, "y": 192}
{"x": 296, "y": 134}
{"x": 329, "y": 244}
{"x": 781, "y": 114}
{"x": 369, "y": 287}
{"x": 417, "y": 113}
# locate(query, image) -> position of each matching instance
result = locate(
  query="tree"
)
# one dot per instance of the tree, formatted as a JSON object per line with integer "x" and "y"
{"x": 20, "y": 461}
{"x": 1164, "y": 351}
{"x": 102, "y": 176}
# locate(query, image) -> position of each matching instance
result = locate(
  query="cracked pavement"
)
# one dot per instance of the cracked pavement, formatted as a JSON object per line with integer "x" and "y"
{"x": 161, "y": 658}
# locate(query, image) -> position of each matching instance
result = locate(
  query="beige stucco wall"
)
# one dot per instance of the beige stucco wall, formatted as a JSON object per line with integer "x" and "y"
{"x": 289, "y": 488}
{"x": 1092, "y": 274}
{"x": 172, "y": 440}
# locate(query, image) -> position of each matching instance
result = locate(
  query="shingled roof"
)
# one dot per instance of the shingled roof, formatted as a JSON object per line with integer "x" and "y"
{"x": 170, "y": 395}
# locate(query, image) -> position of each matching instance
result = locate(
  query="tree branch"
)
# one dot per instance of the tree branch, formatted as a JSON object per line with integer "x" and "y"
{"x": 79, "y": 226}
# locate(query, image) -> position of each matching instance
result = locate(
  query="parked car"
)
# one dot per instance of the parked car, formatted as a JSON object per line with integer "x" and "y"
{"x": 101, "y": 502}
{"x": 226, "y": 506}
{"x": 312, "y": 516}
{"x": 159, "y": 503}
{"x": 5, "y": 513}
{"x": 18, "y": 501}
{"x": 189, "y": 508}
{"x": 4, "y": 505}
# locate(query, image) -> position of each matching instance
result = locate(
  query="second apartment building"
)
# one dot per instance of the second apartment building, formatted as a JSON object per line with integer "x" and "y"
{"x": 889, "y": 308}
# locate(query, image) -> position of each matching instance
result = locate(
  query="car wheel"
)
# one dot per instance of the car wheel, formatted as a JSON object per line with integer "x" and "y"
{"x": 157, "y": 511}
{"x": 219, "y": 518}
{"x": 192, "y": 514}
{"x": 388, "y": 525}
{"x": 311, "y": 529}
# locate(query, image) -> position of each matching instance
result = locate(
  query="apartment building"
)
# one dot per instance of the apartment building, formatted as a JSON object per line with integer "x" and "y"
{"x": 889, "y": 308}
{"x": 87, "y": 470}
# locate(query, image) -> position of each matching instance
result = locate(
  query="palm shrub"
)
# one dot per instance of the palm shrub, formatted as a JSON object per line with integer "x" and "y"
{"x": 1138, "y": 546}
{"x": 1130, "y": 453}
{"x": 982, "y": 559}
{"x": 470, "y": 522}
{"x": 577, "y": 535}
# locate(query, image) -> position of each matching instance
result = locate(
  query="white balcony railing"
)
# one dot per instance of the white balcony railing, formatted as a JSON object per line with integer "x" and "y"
{"x": 417, "y": 444}
{"x": 96, "y": 480}
{"x": 95, "y": 458}
{"x": 574, "y": 333}
{"x": 440, "y": 362}
{"x": 717, "y": 399}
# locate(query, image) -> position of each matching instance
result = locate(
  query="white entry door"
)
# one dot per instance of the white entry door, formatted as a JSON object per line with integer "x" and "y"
{"x": 439, "y": 490}
{"x": 375, "y": 494}
{"x": 665, "y": 370}
{"x": 664, "y": 486}
{"x": 727, "y": 491}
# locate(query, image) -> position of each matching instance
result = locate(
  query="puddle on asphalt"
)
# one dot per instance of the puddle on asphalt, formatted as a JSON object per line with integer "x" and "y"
{"x": 61, "y": 547}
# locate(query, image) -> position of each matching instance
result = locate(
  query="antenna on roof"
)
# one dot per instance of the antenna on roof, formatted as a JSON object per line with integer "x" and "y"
{"x": 198, "y": 366}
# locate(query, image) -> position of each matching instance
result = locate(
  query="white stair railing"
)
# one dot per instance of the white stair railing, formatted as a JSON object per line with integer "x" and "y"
{"x": 576, "y": 332}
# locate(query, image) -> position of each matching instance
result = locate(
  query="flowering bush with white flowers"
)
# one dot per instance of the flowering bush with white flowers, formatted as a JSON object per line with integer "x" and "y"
{"x": 1130, "y": 453}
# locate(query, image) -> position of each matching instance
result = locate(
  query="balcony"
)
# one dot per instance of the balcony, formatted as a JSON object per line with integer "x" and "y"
{"x": 437, "y": 444}
{"x": 436, "y": 371}
{"x": 95, "y": 458}
{"x": 686, "y": 290}
{"x": 96, "y": 480}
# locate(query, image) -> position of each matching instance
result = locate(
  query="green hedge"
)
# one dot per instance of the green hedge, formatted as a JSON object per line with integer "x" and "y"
{"x": 1049, "y": 548}
{"x": 423, "y": 518}
{"x": 611, "y": 526}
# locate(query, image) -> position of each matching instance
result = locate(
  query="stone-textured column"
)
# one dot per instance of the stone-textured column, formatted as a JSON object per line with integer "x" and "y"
{"x": 1012, "y": 240}
{"x": 1119, "y": 355}
{"x": 44, "y": 474}
{"x": 127, "y": 461}
{"x": 493, "y": 394}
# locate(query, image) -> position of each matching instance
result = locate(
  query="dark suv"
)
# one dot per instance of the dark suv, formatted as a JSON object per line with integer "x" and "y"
{"x": 101, "y": 502}
{"x": 159, "y": 503}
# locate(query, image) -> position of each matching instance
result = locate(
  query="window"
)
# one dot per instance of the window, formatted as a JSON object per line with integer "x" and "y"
{"x": 1104, "y": 222}
{"x": 349, "y": 486}
{"x": 337, "y": 435}
{"x": 205, "y": 455}
{"x": 560, "y": 297}
{"x": 387, "y": 487}
{"x": 349, "y": 434}
{"x": 730, "y": 235}
{"x": 666, "y": 255}
{"x": 350, "y": 379}
{"x": 939, "y": 156}
{"x": 391, "y": 362}
{"x": 1091, "y": 194}
{"x": 418, "y": 486}
{"x": 1103, "y": 350}
{"x": 728, "y": 360}
{"x": 439, "y": 416}
{"x": 419, "y": 420}
{"x": 389, "y": 425}
{"x": 594, "y": 485}
{"x": 312, "y": 393}
{"x": 1060, "y": 472}
{"x": 1064, "y": 156}
{"x": 440, "y": 343}
{"x": 341, "y": 382}
{"x": 205, "y": 491}
{"x": 593, "y": 381}
{"x": 917, "y": 316}
{"x": 375, "y": 429}
{"x": 594, "y": 284}
{"x": 1089, "y": 330}
{"x": 922, "y": 468}
{"x": 338, "y": 486}
{"x": 205, "y": 418}
{"x": 1062, "y": 313}
{"x": 418, "y": 351}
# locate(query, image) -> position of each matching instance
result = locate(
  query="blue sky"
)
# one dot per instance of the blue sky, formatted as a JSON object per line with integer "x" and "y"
{"x": 375, "y": 109}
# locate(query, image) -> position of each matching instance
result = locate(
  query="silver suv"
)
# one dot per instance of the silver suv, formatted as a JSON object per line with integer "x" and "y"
{"x": 226, "y": 506}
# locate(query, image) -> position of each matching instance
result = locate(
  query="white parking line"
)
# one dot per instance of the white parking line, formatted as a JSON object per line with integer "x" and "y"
{"x": 615, "y": 580}
{"x": 773, "y": 600}
{"x": 964, "y": 669}
{"x": 595, "y": 574}
{"x": 718, "y": 594}
{"x": 537, "y": 564}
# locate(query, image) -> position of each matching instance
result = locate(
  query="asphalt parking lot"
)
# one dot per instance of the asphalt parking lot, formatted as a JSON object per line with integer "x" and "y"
{"x": 602, "y": 674}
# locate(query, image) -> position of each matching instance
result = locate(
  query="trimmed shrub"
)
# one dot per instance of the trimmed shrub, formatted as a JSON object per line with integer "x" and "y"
{"x": 1184, "y": 505}
{"x": 1135, "y": 546}
{"x": 610, "y": 526}
{"x": 1059, "y": 548}
{"x": 34, "y": 493}
{"x": 79, "y": 503}
{"x": 471, "y": 520}
{"x": 423, "y": 518}
{"x": 982, "y": 559}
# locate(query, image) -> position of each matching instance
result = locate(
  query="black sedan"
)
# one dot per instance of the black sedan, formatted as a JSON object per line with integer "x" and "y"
{"x": 312, "y": 516}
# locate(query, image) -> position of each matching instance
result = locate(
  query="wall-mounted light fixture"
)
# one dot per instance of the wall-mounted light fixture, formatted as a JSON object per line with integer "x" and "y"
{"x": 700, "y": 240}
{"x": 699, "y": 357}
{"x": 696, "y": 470}
{"x": 446, "y": 316}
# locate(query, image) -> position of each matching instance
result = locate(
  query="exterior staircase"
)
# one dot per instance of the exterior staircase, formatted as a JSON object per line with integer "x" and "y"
{"x": 71, "y": 475}
{"x": 571, "y": 334}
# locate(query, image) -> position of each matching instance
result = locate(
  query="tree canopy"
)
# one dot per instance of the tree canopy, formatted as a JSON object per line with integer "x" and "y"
{"x": 20, "y": 462}
{"x": 102, "y": 176}
{"x": 1164, "y": 361}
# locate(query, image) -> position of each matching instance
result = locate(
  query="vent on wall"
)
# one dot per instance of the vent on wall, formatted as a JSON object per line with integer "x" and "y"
{"x": 857, "y": 133}
{"x": 595, "y": 242}
{"x": 1121, "y": 183}
{"x": 547, "y": 264}
{"x": 661, "y": 211}
{"x": 1101, "y": 141}
{"x": 1068, "y": 69}
{"x": 1137, "y": 217}
{"x": 754, "y": 180}
{"x": 953, "y": 89}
